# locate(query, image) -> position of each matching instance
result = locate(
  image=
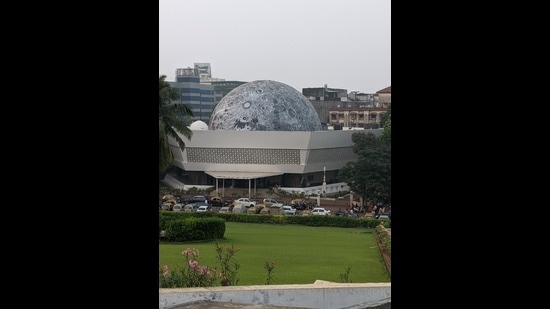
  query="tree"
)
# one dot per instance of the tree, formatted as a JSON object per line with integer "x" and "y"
{"x": 385, "y": 117}
{"x": 172, "y": 120}
{"x": 370, "y": 174}
{"x": 385, "y": 122}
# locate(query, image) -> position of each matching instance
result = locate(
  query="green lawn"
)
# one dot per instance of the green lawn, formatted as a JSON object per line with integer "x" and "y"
{"x": 302, "y": 254}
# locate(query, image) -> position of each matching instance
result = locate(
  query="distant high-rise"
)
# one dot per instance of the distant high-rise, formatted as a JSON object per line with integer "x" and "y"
{"x": 204, "y": 71}
{"x": 198, "y": 97}
{"x": 221, "y": 88}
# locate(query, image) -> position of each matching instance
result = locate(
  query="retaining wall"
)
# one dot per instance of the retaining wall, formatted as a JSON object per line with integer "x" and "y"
{"x": 320, "y": 295}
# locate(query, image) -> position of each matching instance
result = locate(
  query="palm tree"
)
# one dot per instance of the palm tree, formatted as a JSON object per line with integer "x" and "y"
{"x": 172, "y": 120}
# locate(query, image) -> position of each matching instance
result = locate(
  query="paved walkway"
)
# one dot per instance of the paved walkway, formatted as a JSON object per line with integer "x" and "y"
{"x": 221, "y": 305}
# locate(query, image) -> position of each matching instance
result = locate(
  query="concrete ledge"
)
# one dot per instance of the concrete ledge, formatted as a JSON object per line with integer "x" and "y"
{"x": 321, "y": 295}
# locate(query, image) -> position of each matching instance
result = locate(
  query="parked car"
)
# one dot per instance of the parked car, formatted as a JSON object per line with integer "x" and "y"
{"x": 197, "y": 199}
{"x": 319, "y": 211}
{"x": 269, "y": 202}
{"x": 288, "y": 210}
{"x": 194, "y": 206}
{"x": 178, "y": 207}
{"x": 246, "y": 202}
{"x": 224, "y": 209}
{"x": 239, "y": 209}
{"x": 168, "y": 197}
{"x": 168, "y": 205}
{"x": 384, "y": 216}
{"x": 219, "y": 202}
{"x": 299, "y": 204}
{"x": 202, "y": 208}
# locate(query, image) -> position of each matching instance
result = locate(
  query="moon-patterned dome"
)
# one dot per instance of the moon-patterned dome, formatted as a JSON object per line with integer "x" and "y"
{"x": 264, "y": 105}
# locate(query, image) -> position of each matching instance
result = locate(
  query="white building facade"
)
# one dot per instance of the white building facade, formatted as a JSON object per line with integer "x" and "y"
{"x": 264, "y": 159}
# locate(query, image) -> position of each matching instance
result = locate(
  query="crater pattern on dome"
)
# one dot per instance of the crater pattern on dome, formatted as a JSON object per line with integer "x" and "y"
{"x": 264, "y": 105}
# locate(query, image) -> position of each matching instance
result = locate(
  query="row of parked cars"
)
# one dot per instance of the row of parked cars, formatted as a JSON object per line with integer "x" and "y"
{"x": 191, "y": 207}
{"x": 201, "y": 203}
{"x": 195, "y": 203}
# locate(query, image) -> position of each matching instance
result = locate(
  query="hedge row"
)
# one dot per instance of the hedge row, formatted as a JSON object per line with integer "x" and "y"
{"x": 166, "y": 216}
{"x": 384, "y": 238}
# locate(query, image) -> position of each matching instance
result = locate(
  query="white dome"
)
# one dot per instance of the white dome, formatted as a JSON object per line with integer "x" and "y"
{"x": 198, "y": 125}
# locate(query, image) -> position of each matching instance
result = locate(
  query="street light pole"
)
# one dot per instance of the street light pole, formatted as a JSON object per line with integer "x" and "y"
{"x": 324, "y": 181}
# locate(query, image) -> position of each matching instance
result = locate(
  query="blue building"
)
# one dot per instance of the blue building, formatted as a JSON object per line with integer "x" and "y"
{"x": 198, "y": 97}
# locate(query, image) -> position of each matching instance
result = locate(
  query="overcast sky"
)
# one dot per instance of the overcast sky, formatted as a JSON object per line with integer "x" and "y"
{"x": 303, "y": 43}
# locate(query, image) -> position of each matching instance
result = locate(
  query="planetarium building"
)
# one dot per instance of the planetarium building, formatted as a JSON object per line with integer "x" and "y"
{"x": 264, "y": 134}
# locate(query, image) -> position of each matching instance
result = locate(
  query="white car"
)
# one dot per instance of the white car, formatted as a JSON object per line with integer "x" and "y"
{"x": 202, "y": 208}
{"x": 288, "y": 210}
{"x": 269, "y": 202}
{"x": 246, "y": 202}
{"x": 318, "y": 211}
{"x": 224, "y": 209}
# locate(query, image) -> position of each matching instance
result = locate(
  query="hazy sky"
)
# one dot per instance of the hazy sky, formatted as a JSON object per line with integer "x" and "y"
{"x": 302, "y": 43}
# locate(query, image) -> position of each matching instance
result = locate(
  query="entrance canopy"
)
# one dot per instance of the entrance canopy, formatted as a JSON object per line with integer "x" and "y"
{"x": 242, "y": 175}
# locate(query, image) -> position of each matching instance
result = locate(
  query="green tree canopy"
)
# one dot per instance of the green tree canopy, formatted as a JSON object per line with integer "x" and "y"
{"x": 370, "y": 174}
{"x": 386, "y": 124}
{"x": 172, "y": 120}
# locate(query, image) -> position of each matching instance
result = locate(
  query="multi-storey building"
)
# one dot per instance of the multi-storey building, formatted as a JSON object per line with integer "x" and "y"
{"x": 359, "y": 117}
{"x": 325, "y": 98}
{"x": 361, "y": 111}
{"x": 383, "y": 97}
{"x": 221, "y": 88}
{"x": 198, "y": 97}
{"x": 204, "y": 70}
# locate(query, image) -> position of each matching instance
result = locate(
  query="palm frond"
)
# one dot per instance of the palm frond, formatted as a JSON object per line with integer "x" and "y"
{"x": 173, "y": 121}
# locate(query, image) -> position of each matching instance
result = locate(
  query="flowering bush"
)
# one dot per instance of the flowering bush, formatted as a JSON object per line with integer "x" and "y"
{"x": 194, "y": 275}
{"x": 191, "y": 275}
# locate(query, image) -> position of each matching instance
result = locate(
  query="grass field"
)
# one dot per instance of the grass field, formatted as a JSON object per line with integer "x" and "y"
{"x": 302, "y": 254}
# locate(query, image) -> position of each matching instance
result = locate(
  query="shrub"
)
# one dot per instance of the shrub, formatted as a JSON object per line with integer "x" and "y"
{"x": 269, "y": 267}
{"x": 190, "y": 275}
{"x": 194, "y": 275}
{"x": 192, "y": 228}
{"x": 228, "y": 266}
{"x": 384, "y": 238}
